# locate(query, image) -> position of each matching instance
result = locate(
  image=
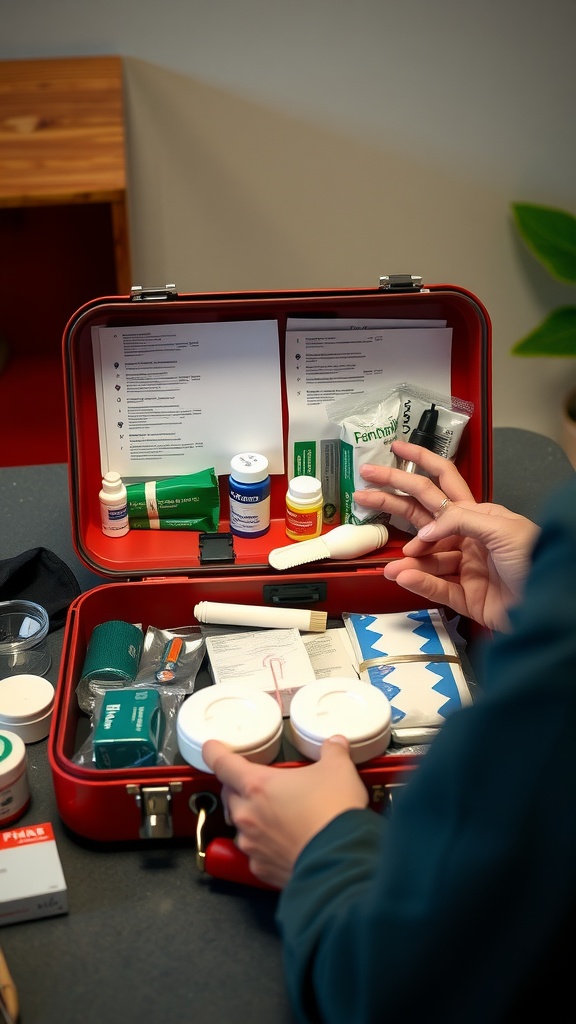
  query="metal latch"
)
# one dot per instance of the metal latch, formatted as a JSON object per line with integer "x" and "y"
{"x": 382, "y": 796}
{"x": 140, "y": 294}
{"x": 154, "y": 803}
{"x": 401, "y": 283}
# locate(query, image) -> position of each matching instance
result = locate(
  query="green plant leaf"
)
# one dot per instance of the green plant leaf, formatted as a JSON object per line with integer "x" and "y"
{"x": 556, "y": 336}
{"x": 551, "y": 235}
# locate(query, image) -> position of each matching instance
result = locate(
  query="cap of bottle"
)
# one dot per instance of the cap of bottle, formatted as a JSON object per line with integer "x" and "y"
{"x": 305, "y": 489}
{"x": 424, "y": 433}
{"x": 112, "y": 483}
{"x": 249, "y": 467}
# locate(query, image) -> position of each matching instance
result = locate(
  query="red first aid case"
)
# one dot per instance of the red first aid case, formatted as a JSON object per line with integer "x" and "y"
{"x": 157, "y": 577}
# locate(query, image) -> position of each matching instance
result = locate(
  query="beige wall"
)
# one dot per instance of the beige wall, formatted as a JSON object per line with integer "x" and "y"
{"x": 322, "y": 143}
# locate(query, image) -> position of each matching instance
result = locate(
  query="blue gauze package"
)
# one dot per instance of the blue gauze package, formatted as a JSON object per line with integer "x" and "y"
{"x": 411, "y": 657}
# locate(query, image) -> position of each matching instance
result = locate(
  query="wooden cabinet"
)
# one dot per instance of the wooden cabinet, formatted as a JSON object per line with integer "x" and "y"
{"x": 63, "y": 232}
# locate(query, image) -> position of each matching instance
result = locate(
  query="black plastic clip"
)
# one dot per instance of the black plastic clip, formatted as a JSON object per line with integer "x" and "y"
{"x": 295, "y": 593}
{"x": 216, "y": 547}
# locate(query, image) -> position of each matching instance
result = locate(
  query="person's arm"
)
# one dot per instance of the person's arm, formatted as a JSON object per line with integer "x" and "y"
{"x": 447, "y": 911}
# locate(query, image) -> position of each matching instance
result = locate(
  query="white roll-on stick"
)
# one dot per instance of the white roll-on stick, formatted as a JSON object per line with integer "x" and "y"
{"x": 217, "y": 612}
{"x": 343, "y": 542}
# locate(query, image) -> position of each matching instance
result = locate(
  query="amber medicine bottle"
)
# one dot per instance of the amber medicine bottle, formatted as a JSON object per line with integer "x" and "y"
{"x": 304, "y": 508}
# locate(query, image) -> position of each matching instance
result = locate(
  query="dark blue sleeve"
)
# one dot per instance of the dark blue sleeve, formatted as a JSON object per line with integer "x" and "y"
{"x": 454, "y": 909}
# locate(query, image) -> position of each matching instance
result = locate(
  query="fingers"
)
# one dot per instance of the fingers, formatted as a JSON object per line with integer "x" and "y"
{"x": 434, "y": 589}
{"x": 485, "y": 523}
{"x": 444, "y": 472}
{"x": 394, "y": 504}
{"x": 232, "y": 769}
{"x": 326, "y": 750}
{"x": 337, "y": 772}
{"x": 420, "y": 495}
{"x": 441, "y": 471}
{"x": 235, "y": 771}
{"x": 437, "y": 563}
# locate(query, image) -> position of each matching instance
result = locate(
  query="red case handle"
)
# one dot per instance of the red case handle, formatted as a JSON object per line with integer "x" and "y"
{"x": 224, "y": 860}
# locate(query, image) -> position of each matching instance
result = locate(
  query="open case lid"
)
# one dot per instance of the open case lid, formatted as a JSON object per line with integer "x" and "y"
{"x": 160, "y": 553}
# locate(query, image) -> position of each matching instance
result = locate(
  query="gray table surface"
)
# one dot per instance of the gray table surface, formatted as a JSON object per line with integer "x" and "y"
{"x": 147, "y": 938}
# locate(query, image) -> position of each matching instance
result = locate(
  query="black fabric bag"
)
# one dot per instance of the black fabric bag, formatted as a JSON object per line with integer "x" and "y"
{"x": 41, "y": 576}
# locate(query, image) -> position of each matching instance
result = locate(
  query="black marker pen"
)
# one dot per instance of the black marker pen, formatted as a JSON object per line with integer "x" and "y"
{"x": 424, "y": 435}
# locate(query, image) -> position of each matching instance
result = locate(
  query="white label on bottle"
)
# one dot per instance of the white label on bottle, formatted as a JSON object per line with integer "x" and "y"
{"x": 250, "y": 518}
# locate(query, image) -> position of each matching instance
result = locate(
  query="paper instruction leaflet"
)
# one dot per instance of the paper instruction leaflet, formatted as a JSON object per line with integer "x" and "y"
{"x": 179, "y": 398}
{"x": 329, "y": 359}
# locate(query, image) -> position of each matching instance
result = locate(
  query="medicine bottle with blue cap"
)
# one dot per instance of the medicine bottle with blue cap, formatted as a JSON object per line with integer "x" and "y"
{"x": 249, "y": 493}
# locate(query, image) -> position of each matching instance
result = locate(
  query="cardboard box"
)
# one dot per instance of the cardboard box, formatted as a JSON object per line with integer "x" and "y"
{"x": 32, "y": 882}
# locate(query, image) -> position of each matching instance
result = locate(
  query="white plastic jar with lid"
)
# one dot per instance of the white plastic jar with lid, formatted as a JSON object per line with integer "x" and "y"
{"x": 348, "y": 707}
{"x": 14, "y": 788}
{"x": 249, "y": 721}
{"x": 304, "y": 508}
{"x": 26, "y": 704}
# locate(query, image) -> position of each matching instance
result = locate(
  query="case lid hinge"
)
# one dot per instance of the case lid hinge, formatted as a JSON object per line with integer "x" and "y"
{"x": 140, "y": 294}
{"x": 401, "y": 283}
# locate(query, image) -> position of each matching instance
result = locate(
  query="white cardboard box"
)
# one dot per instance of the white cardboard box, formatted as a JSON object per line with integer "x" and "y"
{"x": 32, "y": 882}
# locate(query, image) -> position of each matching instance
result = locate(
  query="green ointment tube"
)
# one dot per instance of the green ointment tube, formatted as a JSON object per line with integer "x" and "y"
{"x": 192, "y": 499}
{"x": 205, "y": 525}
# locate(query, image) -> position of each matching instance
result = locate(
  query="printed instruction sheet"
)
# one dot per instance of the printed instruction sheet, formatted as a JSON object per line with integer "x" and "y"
{"x": 180, "y": 398}
{"x": 328, "y": 359}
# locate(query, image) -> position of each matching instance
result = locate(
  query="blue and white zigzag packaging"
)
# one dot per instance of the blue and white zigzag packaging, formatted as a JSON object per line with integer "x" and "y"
{"x": 411, "y": 657}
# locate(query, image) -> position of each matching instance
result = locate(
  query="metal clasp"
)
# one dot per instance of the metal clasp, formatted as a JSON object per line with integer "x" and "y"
{"x": 401, "y": 283}
{"x": 140, "y": 294}
{"x": 382, "y": 796}
{"x": 154, "y": 803}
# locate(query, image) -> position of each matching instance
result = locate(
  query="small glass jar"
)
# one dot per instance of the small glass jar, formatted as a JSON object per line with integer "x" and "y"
{"x": 23, "y": 638}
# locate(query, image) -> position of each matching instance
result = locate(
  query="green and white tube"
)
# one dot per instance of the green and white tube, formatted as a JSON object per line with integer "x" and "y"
{"x": 192, "y": 500}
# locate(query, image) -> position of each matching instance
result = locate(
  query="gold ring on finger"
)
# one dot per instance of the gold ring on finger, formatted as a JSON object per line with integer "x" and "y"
{"x": 441, "y": 508}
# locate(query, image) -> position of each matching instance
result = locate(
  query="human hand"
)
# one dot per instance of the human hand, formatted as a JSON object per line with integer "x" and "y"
{"x": 472, "y": 557}
{"x": 277, "y": 811}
